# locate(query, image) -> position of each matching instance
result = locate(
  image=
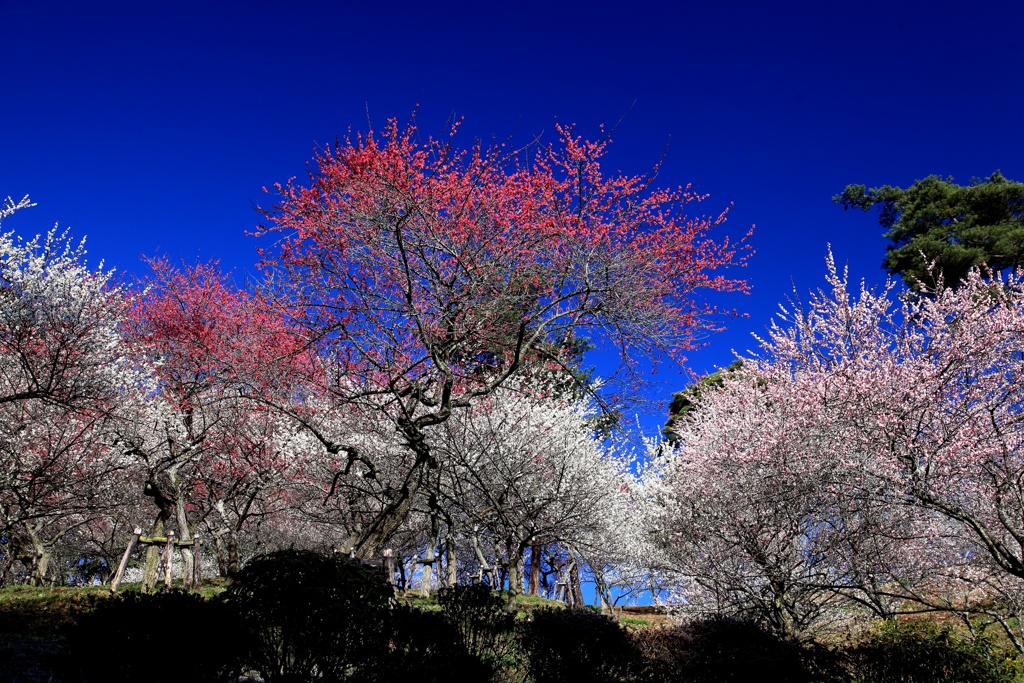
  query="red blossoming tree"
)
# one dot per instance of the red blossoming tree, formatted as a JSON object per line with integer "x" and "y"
{"x": 204, "y": 448}
{"x": 425, "y": 276}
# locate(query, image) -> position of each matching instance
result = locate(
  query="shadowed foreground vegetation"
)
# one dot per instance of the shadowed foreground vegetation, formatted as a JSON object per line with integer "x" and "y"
{"x": 297, "y": 616}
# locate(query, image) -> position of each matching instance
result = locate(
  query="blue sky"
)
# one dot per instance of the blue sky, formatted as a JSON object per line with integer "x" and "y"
{"x": 152, "y": 127}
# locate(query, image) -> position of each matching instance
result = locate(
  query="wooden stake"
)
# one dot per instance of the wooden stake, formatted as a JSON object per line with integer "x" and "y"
{"x": 124, "y": 561}
{"x": 389, "y": 565}
{"x": 197, "y": 563}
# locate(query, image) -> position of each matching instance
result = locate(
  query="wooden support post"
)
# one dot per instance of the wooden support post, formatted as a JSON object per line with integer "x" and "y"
{"x": 124, "y": 561}
{"x": 197, "y": 566}
{"x": 389, "y": 566}
{"x": 168, "y": 559}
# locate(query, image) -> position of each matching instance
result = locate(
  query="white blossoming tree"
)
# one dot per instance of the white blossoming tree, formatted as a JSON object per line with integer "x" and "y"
{"x": 63, "y": 374}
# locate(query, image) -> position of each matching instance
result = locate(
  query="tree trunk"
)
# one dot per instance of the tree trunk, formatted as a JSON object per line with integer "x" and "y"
{"x": 227, "y": 552}
{"x": 188, "y": 568}
{"x": 40, "y": 557}
{"x": 574, "y": 583}
{"x": 452, "y": 559}
{"x": 430, "y": 556}
{"x": 402, "y": 583}
{"x": 6, "y": 565}
{"x": 602, "y": 594}
{"x": 516, "y": 571}
{"x": 377, "y": 535}
{"x": 162, "y": 496}
{"x": 167, "y": 558}
{"x": 513, "y": 578}
{"x": 780, "y": 614}
{"x": 222, "y": 554}
{"x": 232, "y": 547}
{"x": 152, "y": 557}
{"x": 485, "y": 567}
{"x": 535, "y": 559}
{"x": 40, "y": 565}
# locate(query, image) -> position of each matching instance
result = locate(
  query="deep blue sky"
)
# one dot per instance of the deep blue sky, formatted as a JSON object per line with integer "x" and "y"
{"x": 151, "y": 127}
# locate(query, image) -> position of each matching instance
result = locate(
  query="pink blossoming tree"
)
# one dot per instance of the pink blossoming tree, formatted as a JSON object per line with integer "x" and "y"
{"x": 874, "y": 446}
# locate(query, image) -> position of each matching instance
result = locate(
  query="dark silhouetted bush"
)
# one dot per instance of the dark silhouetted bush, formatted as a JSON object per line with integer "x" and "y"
{"x": 311, "y": 617}
{"x": 169, "y": 636}
{"x": 921, "y": 651}
{"x": 428, "y": 649}
{"x": 576, "y": 645}
{"x": 481, "y": 617}
{"x": 717, "y": 649}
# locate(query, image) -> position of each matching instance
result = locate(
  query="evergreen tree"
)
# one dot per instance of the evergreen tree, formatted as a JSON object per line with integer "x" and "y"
{"x": 683, "y": 401}
{"x": 955, "y": 227}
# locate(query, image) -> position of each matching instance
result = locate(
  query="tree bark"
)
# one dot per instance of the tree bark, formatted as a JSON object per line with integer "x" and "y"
{"x": 402, "y": 583}
{"x": 535, "y": 559}
{"x": 233, "y": 564}
{"x": 516, "y": 571}
{"x": 164, "y": 501}
{"x": 601, "y": 592}
{"x": 168, "y": 559}
{"x": 514, "y": 579}
{"x": 574, "y": 583}
{"x": 227, "y": 552}
{"x": 40, "y": 558}
{"x": 188, "y": 568}
{"x": 6, "y": 565}
{"x": 152, "y": 557}
{"x": 221, "y": 552}
{"x": 430, "y": 556}
{"x": 516, "y": 568}
{"x": 452, "y": 559}
{"x": 40, "y": 565}
{"x": 376, "y": 536}
{"x": 485, "y": 567}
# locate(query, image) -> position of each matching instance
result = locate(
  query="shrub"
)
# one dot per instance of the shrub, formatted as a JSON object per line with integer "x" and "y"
{"x": 576, "y": 645}
{"x": 716, "y": 649}
{"x": 428, "y": 649}
{"x": 311, "y": 617}
{"x": 483, "y": 621}
{"x": 920, "y": 650}
{"x": 169, "y": 636}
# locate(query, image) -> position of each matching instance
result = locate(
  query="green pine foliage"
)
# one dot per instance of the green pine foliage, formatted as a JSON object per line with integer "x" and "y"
{"x": 684, "y": 401}
{"x": 956, "y": 227}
